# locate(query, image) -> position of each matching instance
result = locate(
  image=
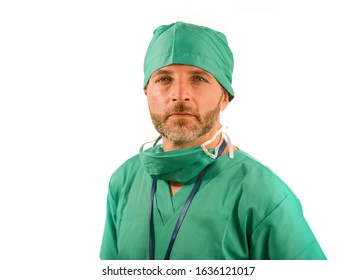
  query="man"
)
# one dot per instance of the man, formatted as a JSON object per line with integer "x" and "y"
{"x": 195, "y": 196}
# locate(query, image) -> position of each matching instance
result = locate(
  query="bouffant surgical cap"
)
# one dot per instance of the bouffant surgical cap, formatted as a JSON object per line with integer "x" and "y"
{"x": 184, "y": 43}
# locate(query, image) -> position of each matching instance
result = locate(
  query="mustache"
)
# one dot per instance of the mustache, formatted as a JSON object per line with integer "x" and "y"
{"x": 181, "y": 107}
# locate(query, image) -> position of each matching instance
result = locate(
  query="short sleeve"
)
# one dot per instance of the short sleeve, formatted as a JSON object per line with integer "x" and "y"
{"x": 285, "y": 234}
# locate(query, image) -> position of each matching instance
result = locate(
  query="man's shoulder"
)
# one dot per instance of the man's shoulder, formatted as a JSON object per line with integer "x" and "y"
{"x": 256, "y": 174}
{"x": 131, "y": 163}
{"x": 249, "y": 163}
{"x": 128, "y": 168}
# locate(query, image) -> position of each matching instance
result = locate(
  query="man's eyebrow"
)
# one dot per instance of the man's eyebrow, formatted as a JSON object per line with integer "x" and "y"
{"x": 200, "y": 73}
{"x": 161, "y": 72}
{"x": 192, "y": 72}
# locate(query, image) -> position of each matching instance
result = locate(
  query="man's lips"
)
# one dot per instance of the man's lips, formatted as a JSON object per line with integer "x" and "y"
{"x": 181, "y": 115}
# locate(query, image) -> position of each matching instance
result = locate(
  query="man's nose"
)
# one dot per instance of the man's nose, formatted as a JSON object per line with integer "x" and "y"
{"x": 180, "y": 91}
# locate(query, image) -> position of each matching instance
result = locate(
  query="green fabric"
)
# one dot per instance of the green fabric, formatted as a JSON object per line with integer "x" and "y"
{"x": 179, "y": 165}
{"x": 183, "y": 43}
{"x": 241, "y": 211}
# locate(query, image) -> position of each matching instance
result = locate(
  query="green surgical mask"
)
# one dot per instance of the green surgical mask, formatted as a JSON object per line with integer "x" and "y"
{"x": 180, "y": 165}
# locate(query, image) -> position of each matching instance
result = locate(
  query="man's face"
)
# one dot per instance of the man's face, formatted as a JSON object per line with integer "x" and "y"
{"x": 185, "y": 102}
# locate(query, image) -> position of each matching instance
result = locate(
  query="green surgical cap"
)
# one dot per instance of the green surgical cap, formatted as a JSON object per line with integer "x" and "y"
{"x": 184, "y": 43}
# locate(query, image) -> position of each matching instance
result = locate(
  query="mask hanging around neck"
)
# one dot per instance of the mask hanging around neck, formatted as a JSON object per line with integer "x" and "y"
{"x": 180, "y": 165}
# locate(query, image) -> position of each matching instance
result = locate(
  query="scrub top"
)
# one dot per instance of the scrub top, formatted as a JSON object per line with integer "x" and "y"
{"x": 242, "y": 211}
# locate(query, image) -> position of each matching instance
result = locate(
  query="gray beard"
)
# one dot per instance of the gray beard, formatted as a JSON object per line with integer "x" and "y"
{"x": 182, "y": 131}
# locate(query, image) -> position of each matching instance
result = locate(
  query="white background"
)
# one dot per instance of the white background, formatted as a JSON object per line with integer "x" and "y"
{"x": 72, "y": 109}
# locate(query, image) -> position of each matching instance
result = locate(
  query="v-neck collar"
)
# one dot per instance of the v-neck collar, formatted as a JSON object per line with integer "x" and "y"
{"x": 168, "y": 205}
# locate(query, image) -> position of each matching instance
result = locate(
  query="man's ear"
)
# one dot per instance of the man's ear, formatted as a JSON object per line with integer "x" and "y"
{"x": 145, "y": 91}
{"x": 225, "y": 100}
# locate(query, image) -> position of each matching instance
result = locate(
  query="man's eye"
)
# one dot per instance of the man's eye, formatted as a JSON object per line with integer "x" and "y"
{"x": 163, "y": 80}
{"x": 199, "y": 79}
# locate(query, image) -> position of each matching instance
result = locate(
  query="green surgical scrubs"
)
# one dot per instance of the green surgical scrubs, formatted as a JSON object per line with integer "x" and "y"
{"x": 242, "y": 211}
